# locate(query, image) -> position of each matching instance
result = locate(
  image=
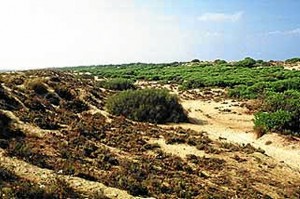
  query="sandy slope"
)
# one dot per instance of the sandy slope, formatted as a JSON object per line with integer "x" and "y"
{"x": 237, "y": 126}
{"x": 221, "y": 120}
{"x": 45, "y": 177}
{"x": 292, "y": 66}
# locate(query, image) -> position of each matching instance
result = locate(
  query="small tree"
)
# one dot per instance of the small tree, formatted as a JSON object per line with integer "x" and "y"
{"x": 247, "y": 62}
{"x": 195, "y": 61}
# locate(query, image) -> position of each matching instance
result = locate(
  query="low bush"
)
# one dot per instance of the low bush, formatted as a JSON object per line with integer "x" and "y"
{"x": 65, "y": 93}
{"x": 220, "y": 61}
{"x": 242, "y": 91}
{"x": 148, "y": 105}
{"x": 77, "y": 106}
{"x": 280, "y": 112}
{"x": 247, "y": 62}
{"x": 53, "y": 98}
{"x": 7, "y": 102}
{"x": 195, "y": 61}
{"x": 7, "y": 129}
{"x": 119, "y": 84}
{"x": 261, "y": 88}
{"x": 277, "y": 121}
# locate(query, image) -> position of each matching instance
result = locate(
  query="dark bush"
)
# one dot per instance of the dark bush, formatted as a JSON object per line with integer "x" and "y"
{"x": 35, "y": 104}
{"x": 17, "y": 81}
{"x": 76, "y": 106}
{"x": 65, "y": 93}
{"x": 117, "y": 84}
{"x": 247, "y": 62}
{"x": 220, "y": 61}
{"x": 38, "y": 86}
{"x": 53, "y": 98}
{"x": 6, "y": 175}
{"x": 149, "y": 105}
{"x": 195, "y": 61}
{"x": 7, "y": 102}
{"x": 46, "y": 121}
{"x": 7, "y": 131}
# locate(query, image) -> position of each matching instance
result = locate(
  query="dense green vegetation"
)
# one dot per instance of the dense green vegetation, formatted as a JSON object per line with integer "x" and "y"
{"x": 148, "y": 105}
{"x": 280, "y": 112}
{"x": 119, "y": 84}
{"x": 245, "y": 79}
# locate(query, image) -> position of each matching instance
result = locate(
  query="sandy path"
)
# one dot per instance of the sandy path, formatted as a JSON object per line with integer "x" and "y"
{"x": 237, "y": 126}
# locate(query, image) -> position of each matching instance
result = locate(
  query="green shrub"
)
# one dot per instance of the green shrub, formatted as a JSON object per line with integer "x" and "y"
{"x": 286, "y": 84}
{"x": 260, "y": 88}
{"x": 281, "y": 112}
{"x": 278, "y": 120}
{"x": 288, "y": 101}
{"x": 193, "y": 83}
{"x": 148, "y": 105}
{"x": 247, "y": 62}
{"x": 119, "y": 84}
{"x": 243, "y": 92}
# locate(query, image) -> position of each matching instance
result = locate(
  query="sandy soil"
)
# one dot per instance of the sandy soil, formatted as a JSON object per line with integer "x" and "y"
{"x": 226, "y": 120}
{"x": 292, "y": 66}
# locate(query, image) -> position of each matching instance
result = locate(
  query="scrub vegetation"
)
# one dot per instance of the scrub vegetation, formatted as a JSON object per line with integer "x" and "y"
{"x": 66, "y": 135}
{"x": 269, "y": 82}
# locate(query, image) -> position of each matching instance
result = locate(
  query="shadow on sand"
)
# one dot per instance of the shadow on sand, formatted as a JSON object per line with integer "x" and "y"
{"x": 197, "y": 121}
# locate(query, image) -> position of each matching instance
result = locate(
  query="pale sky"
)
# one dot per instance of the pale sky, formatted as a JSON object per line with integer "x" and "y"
{"x": 55, "y": 33}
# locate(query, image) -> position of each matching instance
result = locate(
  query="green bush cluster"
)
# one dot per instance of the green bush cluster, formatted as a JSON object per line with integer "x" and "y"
{"x": 245, "y": 79}
{"x": 280, "y": 112}
{"x": 247, "y": 62}
{"x": 260, "y": 88}
{"x": 148, "y": 105}
{"x": 293, "y": 60}
{"x": 197, "y": 74}
{"x": 220, "y": 61}
{"x": 277, "y": 120}
{"x": 119, "y": 84}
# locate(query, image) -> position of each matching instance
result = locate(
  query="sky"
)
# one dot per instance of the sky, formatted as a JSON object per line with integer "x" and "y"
{"x": 56, "y": 33}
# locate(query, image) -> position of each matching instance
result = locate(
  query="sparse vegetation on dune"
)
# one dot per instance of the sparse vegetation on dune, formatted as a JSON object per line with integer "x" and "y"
{"x": 58, "y": 125}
